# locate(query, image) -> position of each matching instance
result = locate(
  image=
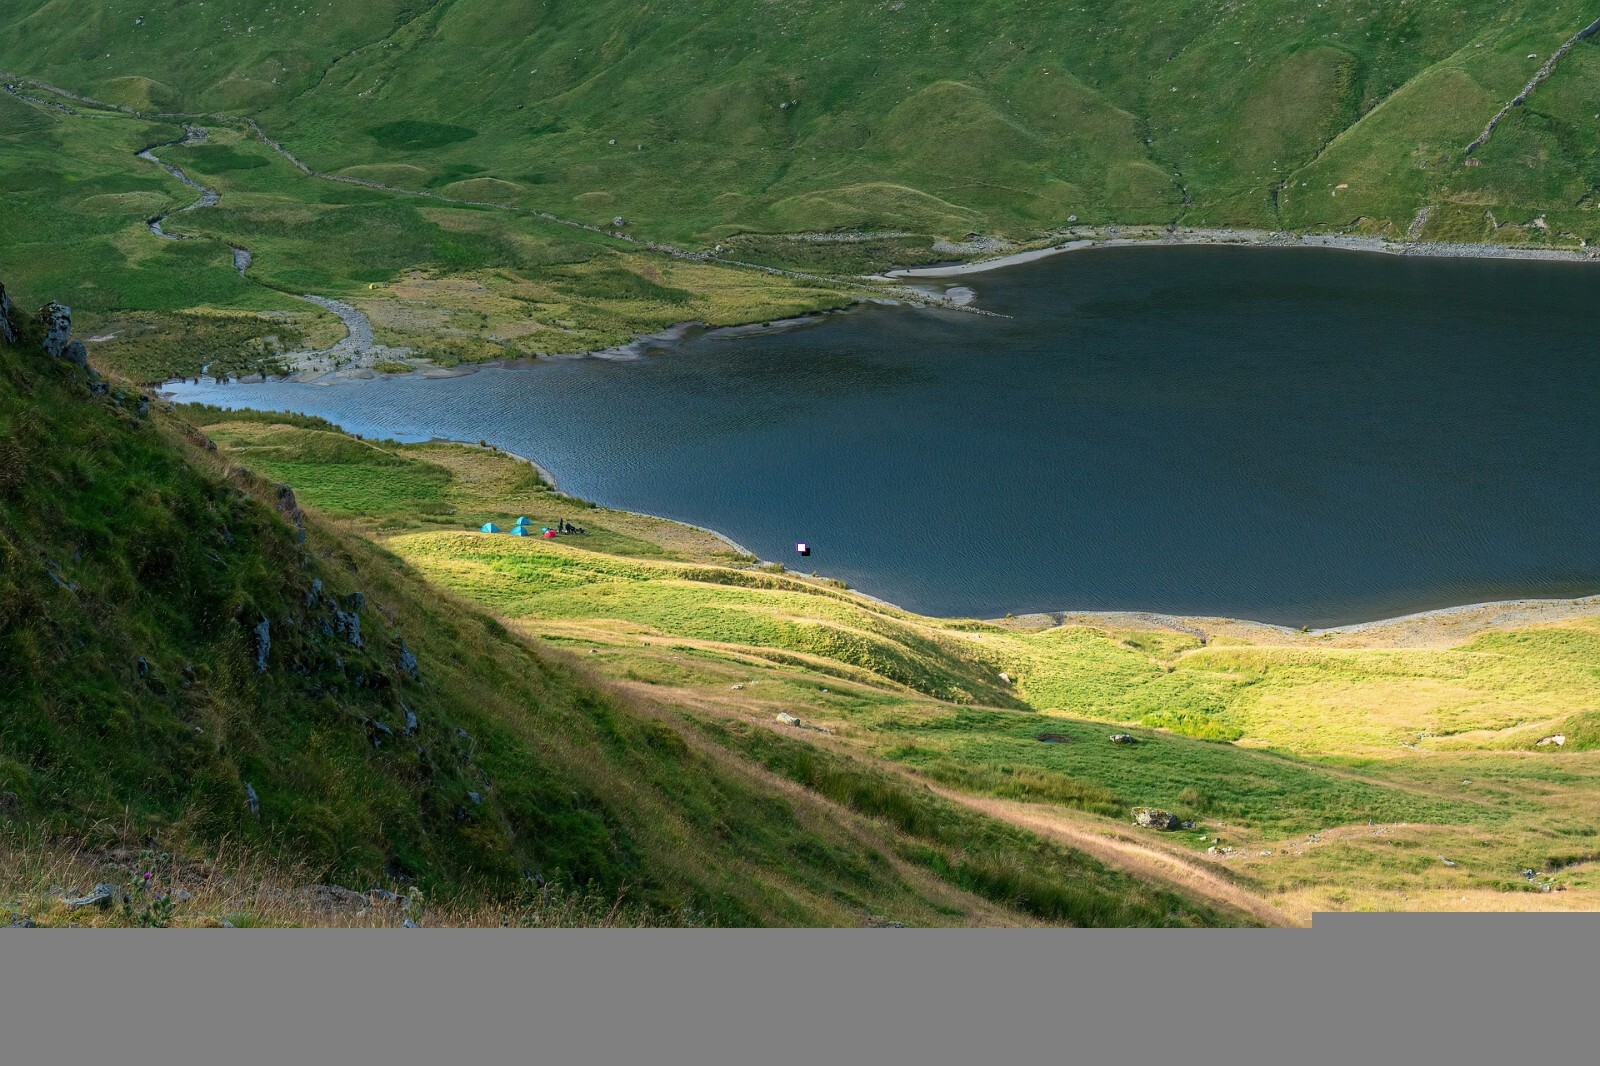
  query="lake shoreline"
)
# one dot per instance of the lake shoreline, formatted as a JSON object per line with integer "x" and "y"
{"x": 1428, "y": 628}
{"x": 1085, "y": 238}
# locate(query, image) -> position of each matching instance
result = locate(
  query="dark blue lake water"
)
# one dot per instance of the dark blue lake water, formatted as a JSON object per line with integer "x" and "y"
{"x": 1290, "y": 435}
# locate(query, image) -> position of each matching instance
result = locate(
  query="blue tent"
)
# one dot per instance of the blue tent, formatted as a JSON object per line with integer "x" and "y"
{"x": 488, "y": 527}
{"x": 523, "y": 521}
{"x": 520, "y": 531}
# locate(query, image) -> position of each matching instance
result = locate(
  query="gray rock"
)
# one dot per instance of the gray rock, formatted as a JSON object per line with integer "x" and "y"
{"x": 57, "y": 322}
{"x": 182, "y": 895}
{"x": 1155, "y": 818}
{"x": 619, "y": 221}
{"x": 22, "y": 921}
{"x": 251, "y": 799}
{"x": 102, "y": 896}
{"x": 263, "y": 635}
{"x": 409, "y": 924}
{"x": 334, "y": 896}
{"x": 407, "y": 660}
{"x": 1122, "y": 738}
{"x": 348, "y": 623}
{"x": 411, "y": 720}
{"x": 477, "y": 800}
{"x": 76, "y": 354}
{"x": 8, "y": 324}
{"x": 785, "y": 718}
{"x": 288, "y": 507}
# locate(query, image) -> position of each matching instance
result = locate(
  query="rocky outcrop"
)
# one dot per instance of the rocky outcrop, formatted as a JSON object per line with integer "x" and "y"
{"x": 57, "y": 322}
{"x": 1155, "y": 818}
{"x": 8, "y": 324}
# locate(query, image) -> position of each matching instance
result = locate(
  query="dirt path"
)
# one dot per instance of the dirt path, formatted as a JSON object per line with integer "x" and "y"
{"x": 1098, "y": 838}
{"x": 1123, "y": 852}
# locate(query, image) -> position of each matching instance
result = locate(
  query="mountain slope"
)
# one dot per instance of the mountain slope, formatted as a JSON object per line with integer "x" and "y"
{"x": 189, "y": 658}
{"x": 696, "y": 120}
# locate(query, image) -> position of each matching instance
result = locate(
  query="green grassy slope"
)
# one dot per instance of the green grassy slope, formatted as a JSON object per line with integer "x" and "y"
{"x": 1266, "y": 745}
{"x": 696, "y": 120}
{"x": 140, "y": 708}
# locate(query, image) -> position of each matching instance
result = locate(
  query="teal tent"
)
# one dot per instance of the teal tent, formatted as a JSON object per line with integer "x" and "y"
{"x": 523, "y": 521}
{"x": 520, "y": 531}
{"x": 488, "y": 527}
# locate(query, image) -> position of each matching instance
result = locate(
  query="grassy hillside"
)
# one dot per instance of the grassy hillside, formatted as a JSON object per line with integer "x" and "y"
{"x": 1338, "y": 769}
{"x": 699, "y": 120}
{"x": 189, "y": 659}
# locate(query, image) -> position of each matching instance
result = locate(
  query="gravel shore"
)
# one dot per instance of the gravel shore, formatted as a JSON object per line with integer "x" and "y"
{"x": 1081, "y": 238}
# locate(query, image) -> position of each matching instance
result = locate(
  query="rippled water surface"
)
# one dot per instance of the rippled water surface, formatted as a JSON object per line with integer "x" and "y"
{"x": 1297, "y": 436}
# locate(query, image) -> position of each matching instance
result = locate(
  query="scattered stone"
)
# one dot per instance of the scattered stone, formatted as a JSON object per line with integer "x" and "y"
{"x": 411, "y": 720}
{"x": 409, "y": 924}
{"x": 739, "y": 687}
{"x": 141, "y": 666}
{"x": 1122, "y": 738}
{"x": 619, "y": 221}
{"x": 1155, "y": 818}
{"x": 1557, "y": 739}
{"x": 384, "y": 895}
{"x": 22, "y": 921}
{"x": 784, "y": 718}
{"x": 102, "y": 896}
{"x": 335, "y": 896}
{"x": 182, "y": 895}
{"x": 477, "y": 800}
{"x": 1446, "y": 861}
{"x": 57, "y": 322}
{"x": 1005, "y": 677}
{"x": 76, "y": 354}
{"x": 263, "y": 634}
{"x": 252, "y": 800}
{"x": 1529, "y": 875}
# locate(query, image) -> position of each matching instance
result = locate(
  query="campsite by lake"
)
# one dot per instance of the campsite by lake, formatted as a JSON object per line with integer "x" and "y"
{"x": 1289, "y": 435}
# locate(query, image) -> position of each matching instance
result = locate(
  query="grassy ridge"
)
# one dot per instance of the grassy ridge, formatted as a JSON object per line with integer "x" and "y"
{"x": 1398, "y": 749}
